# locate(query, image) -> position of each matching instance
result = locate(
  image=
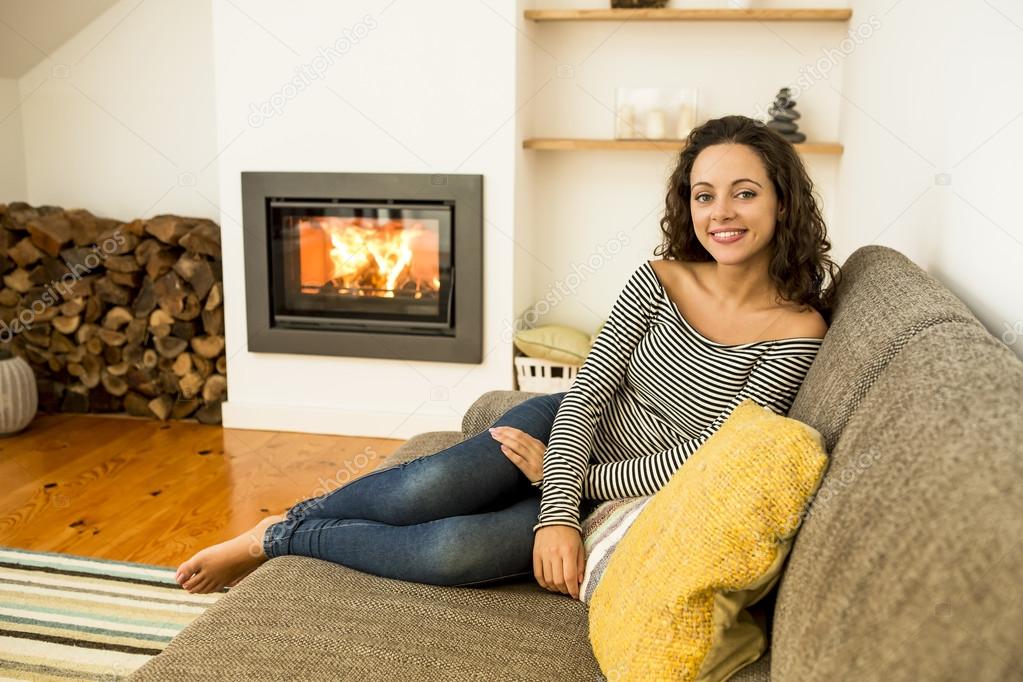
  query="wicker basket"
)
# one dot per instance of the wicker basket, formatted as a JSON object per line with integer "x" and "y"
{"x": 543, "y": 376}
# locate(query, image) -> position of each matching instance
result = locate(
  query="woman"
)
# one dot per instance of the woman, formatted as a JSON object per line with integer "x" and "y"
{"x": 734, "y": 311}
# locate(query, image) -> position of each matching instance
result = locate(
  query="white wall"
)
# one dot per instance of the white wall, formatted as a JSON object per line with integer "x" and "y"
{"x": 12, "y": 152}
{"x": 932, "y": 121}
{"x": 119, "y": 119}
{"x": 419, "y": 87}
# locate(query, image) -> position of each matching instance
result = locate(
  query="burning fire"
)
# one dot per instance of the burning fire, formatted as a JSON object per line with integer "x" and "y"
{"x": 369, "y": 257}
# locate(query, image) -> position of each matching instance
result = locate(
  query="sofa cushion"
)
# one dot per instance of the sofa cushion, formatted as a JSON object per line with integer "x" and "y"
{"x": 302, "y": 618}
{"x": 883, "y": 300}
{"x": 907, "y": 566}
{"x": 554, "y": 342}
{"x": 671, "y": 603}
{"x": 489, "y": 407}
{"x": 419, "y": 445}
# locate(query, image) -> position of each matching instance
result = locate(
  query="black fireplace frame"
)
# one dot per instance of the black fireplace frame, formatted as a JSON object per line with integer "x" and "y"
{"x": 464, "y": 192}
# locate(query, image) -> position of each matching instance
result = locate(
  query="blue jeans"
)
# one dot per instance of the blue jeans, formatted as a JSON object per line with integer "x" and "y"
{"x": 462, "y": 516}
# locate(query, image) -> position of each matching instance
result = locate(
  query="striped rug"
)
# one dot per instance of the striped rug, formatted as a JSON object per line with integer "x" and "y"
{"x": 77, "y": 618}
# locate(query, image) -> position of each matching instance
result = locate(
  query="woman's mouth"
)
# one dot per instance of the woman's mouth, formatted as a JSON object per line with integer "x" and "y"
{"x": 728, "y": 236}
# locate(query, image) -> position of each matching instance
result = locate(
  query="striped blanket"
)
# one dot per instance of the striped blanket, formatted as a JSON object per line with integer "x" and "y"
{"x": 602, "y": 530}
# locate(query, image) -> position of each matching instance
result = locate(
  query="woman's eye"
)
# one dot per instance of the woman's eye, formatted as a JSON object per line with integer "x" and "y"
{"x": 751, "y": 194}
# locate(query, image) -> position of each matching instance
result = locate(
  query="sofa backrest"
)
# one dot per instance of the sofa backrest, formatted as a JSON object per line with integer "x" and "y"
{"x": 883, "y": 300}
{"x": 906, "y": 566}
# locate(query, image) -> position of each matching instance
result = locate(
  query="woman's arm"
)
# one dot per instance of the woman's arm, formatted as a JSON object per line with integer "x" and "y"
{"x": 773, "y": 383}
{"x": 567, "y": 457}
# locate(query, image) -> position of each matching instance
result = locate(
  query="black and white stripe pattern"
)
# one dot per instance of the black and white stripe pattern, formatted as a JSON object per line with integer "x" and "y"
{"x": 650, "y": 392}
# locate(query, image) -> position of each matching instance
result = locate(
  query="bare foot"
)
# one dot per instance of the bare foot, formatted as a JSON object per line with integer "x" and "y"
{"x": 225, "y": 564}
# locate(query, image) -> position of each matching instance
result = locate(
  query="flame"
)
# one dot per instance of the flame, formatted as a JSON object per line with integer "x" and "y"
{"x": 366, "y": 256}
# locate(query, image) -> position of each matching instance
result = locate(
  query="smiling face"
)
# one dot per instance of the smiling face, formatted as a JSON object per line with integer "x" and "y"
{"x": 730, "y": 190}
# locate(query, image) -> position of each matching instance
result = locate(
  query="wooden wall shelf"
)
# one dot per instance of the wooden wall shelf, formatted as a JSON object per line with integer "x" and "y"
{"x": 562, "y": 144}
{"x": 674, "y": 14}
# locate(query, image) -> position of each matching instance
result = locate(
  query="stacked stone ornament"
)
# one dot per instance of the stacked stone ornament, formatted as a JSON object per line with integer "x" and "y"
{"x": 783, "y": 117}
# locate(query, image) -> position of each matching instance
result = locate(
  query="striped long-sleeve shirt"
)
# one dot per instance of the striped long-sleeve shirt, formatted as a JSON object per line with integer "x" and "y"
{"x": 650, "y": 392}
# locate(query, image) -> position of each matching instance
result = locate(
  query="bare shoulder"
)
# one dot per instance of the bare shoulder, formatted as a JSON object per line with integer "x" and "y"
{"x": 807, "y": 324}
{"x": 672, "y": 271}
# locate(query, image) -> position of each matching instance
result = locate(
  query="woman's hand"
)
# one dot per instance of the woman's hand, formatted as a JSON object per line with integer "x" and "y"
{"x": 559, "y": 559}
{"x": 523, "y": 450}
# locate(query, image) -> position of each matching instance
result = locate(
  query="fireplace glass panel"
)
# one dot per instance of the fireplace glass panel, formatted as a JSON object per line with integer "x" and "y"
{"x": 359, "y": 265}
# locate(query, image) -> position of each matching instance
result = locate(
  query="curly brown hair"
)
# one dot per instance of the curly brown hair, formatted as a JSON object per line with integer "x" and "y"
{"x": 800, "y": 262}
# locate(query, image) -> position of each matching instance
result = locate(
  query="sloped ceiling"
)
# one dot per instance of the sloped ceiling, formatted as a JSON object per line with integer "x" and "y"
{"x": 30, "y": 30}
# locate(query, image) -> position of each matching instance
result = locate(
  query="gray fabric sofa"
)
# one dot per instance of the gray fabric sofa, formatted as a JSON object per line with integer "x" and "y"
{"x": 907, "y": 566}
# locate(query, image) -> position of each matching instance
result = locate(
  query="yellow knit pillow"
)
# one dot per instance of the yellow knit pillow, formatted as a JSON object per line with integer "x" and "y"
{"x": 671, "y": 603}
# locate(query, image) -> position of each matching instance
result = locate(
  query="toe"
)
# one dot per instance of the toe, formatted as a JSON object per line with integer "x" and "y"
{"x": 186, "y": 569}
{"x": 191, "y": 582}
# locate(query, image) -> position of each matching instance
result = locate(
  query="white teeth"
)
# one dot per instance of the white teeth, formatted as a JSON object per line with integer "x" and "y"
{"x": 728, "y": 234}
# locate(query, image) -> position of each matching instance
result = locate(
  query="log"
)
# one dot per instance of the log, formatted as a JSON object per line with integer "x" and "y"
{"x": 25, "y": 253}
{"x": 19, "y": 280}
{"x": 215, "y": 388}
{"x": 60, "y": 343}
{"x": 213, "y": 321}
{"x": 136, "y": 331}
{"x": 107, "y": 291}
{"x": 197, "y": 272}
{"x": 131, "y": 280}
{"x": 185, "y": 330}
{"x": 169, "y": 229}
{"x": 190, "y": 385}
{"x": 119, "y": 369}
{"x": 50, "y": 232}
{"x": 161, "y": 406}
{"x": 94, "y": 309}
{"x": 182, "y": 364}
{"x": 222, "y": 364}
{"x": 209, "y": 414}
{"x": 190, "y": 308}
{"x": 9, "y": 297}
{"x": 132, "y": 354}
{"x": 76, "y": 354}
{"x": 208, "y": 346}
{"x": 117, "y": 240}
{"x": 215, "y": 297}
{"x": 112, "y": 337}
{"x": 38, "y": 335}
{"x": 145, "y": 302}
{"x": 137, "y": 405}
{"x": 150, "y": 358}
{"x": 114, "y": 385}
{"x": 203, "y": 366}
{"x": 72, "y": 307}
{"x": 117, "y": 317}
{"x": 112, "y": 354}
{"x": 85, "y": 227}
{"x": 170, "y": 293}
{"x": 143, "y": 381}
{"x": 170, "y": 346}
{"x": 94, "y": 346}
{"x": 66, "y": 325}
{"x": 204, "y": 239}
{"x": 160, "y": 262}
{"x": 88, "y": 371}
{"x": 183, "y": 408}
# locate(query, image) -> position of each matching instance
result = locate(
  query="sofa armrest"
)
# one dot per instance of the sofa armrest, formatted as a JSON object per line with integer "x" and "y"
{"x": 489, "y": 407}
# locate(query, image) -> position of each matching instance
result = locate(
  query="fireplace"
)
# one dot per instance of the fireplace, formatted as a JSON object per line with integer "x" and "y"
{"x": 364, "y": 264}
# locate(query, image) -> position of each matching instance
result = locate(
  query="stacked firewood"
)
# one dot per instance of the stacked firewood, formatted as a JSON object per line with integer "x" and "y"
{"x": 115, "y": 316}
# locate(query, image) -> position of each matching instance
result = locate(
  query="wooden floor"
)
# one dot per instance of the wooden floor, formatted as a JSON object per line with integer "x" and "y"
{"x": 140, "y": 490}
